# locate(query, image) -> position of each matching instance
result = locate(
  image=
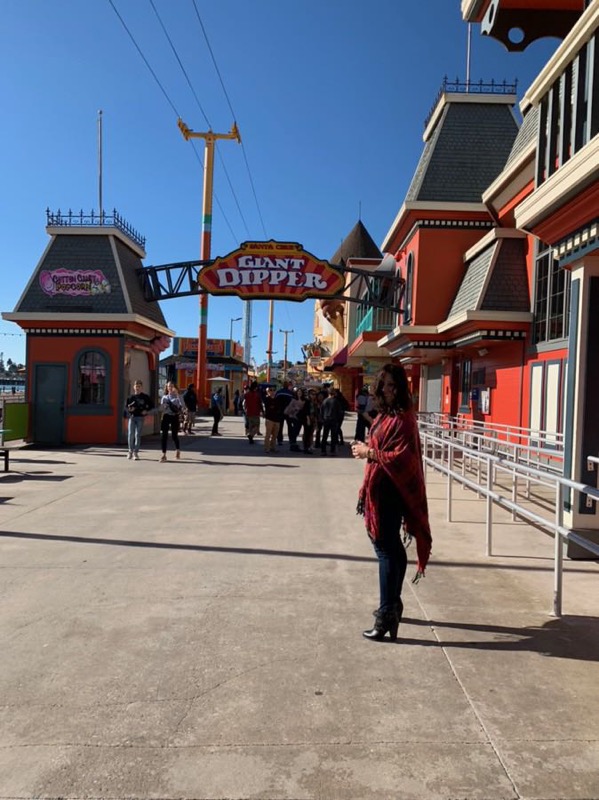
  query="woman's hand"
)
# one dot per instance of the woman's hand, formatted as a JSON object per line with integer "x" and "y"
{"x": 359, "y": 450}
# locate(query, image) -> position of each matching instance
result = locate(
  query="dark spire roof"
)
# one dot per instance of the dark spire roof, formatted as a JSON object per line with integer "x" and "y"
{"x": 465, "y": 151}
{"x": 357, "y": 244}
{"x": 106, "y": 269}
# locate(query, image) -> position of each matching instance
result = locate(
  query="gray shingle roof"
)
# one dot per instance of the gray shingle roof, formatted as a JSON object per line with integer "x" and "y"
{"x": 130, "y": 262}
{"x": 466, "y": 151}
{"x": 503, "y": 279}
{"x": 526, "y": 134}
{"x": 72, "y": 257}
{"x": 507, "y": 289}
{"x": 468, "y": 294}
{"x": 357, "y": 244}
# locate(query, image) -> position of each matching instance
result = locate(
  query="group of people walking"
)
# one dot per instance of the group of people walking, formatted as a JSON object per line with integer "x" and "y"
{"x": 310, "y": 417}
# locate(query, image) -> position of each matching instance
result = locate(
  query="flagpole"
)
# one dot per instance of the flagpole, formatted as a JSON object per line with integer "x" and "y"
{"x": 100, "y": 201}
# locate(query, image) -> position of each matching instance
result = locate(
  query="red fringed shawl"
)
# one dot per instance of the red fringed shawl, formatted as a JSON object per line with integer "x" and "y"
{"x": 395, "y": 440}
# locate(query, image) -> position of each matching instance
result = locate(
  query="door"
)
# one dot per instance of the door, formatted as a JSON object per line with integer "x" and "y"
{"x": 49, "y": 397}
{"x": 434, "y": 380}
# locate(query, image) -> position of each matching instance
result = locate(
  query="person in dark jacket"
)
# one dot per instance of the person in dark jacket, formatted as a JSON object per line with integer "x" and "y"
{"x": 138, "y": 406}
{"x": 344, "y": 407}
{"x": 283, "y": 396}
{"x": 331, "y": 414}
{"x": 191, "y": 408}
{"x": 217, "y": 410}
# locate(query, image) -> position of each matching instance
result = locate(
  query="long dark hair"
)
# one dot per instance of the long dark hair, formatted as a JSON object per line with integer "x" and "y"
{"x": 402, "y": 399}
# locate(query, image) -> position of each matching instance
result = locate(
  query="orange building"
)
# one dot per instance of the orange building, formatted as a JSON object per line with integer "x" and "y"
{"x": 90, "y": 332}
{"x": 497, "y": 242}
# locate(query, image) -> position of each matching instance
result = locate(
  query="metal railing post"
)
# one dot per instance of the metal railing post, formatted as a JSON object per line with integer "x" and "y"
{"x": 489, "y": 548}
{"x": 558, "y": 550}
{"x": 450, "y": 455}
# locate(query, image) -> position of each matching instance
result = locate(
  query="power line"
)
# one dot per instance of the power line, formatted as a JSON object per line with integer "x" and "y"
{"x": 187, "y": 78}
{"x": 218, "y": 72}
{"x": 170, "y": 41}
{"x": 172, "y": 105}
{"x": 145, "y": 60}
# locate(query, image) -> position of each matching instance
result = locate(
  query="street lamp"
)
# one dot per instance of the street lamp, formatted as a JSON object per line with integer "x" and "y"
{"x": 233, "y": 319}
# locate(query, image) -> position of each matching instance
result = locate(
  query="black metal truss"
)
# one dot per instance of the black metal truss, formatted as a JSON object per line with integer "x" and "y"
{"x": 168, "y": 281}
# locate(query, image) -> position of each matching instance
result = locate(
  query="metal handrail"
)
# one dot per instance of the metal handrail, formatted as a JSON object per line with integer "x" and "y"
{"x": 444, "y": 445}
{"x": 491, "y": 428}
{"x": 550, "y": 458}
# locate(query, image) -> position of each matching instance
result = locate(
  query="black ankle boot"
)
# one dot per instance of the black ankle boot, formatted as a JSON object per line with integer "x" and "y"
{"x": 384, "y": 622}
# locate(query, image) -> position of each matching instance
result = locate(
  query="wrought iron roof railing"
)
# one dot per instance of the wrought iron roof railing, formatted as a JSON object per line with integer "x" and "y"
{"x": 93, "y": 219}
{"x": 471, "y": 87}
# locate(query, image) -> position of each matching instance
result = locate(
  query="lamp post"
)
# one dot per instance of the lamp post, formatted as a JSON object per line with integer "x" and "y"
{"x": 233, "y": 319}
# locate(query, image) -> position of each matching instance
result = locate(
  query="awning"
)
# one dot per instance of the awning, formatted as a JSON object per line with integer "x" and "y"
{"x": 338, "y": 359}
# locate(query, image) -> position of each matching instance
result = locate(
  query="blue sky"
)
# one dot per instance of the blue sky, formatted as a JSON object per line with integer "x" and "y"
{"x": 330, "y": 97}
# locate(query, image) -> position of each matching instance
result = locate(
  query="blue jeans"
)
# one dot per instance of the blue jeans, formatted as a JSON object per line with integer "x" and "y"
{"x": 136, "y": 425}
{"x": 389, "y": 549}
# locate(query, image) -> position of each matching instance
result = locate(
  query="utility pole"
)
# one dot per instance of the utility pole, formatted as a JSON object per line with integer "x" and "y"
{"x": 210, "y": 138}
{"x": 269, "y": 352}
{"x": 285, "y": 334}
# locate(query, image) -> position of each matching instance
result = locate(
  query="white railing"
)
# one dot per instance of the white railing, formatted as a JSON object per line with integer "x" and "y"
{"x": 442, "y": 450}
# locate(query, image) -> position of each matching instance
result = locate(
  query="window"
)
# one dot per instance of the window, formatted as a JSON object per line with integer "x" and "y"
{"x": 407, "y": 299}
{"x": 91, "y": 378}
{"x": 552, "y": 299}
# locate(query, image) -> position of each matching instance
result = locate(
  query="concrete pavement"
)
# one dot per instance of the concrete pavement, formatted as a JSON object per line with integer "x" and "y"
{"x": 192, "y": 631}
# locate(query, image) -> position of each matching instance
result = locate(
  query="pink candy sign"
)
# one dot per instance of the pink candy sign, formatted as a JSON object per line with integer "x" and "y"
{"x": 74, "y": 282}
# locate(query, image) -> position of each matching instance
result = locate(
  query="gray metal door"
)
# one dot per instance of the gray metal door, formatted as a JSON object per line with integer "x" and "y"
{"x": 49, "y": 396}
{"x": 433, "y": 387}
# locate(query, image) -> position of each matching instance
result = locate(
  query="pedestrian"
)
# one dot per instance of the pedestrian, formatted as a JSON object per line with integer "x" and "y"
{"x": 331, "y": 414}
{"x": 271, "y": 421}
{"x": 253, "y": 408}
{"x": 172, "y": 407}
{"x": 283, "y": 396}
{"x": 293, "y": 415}
{"x": 320, "y": 398}
{"x": 344, "y": 407}
{"x": 138, "y": 405}
{"x": 361, "y": 426}
{"x": 393, "y": 490}
{"x": 217, "y": 410}
{"x": 190, "y": 400}
{"x": 236, "y": 402}
{"x": 310, "y": 414}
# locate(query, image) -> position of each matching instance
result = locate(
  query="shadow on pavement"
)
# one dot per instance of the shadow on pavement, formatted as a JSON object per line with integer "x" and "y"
{"x": 573, "y": 637}
{"x": 19, "y": 477}
{"x": 199, "y": 548}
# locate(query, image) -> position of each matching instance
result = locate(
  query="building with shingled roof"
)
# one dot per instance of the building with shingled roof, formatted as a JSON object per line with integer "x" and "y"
{"x": 90, "y": 331}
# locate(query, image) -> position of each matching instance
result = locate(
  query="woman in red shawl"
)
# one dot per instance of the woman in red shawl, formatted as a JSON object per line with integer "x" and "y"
{"x": 393, "y": 491}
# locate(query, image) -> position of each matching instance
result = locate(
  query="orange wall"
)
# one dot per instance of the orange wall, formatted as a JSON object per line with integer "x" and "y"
{"x": 63, "y": 350}
{"x": 439, "y": 271}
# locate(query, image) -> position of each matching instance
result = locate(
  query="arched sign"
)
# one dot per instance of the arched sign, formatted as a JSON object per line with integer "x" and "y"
{"x": 272, "y": 270}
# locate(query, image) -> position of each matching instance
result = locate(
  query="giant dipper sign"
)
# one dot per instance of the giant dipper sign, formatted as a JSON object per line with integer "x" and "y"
{"x": 272, "y": 270}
